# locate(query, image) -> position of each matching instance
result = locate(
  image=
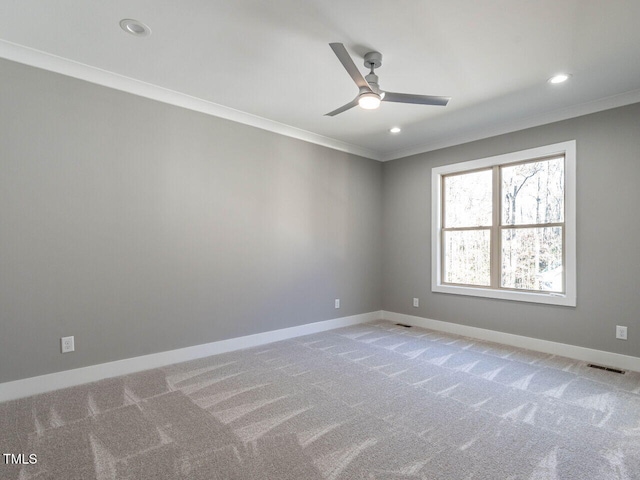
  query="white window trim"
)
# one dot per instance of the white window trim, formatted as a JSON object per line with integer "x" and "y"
{"x": 568, "y": 149}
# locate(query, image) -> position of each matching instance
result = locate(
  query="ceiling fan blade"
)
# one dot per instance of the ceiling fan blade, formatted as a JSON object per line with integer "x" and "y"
{"x": 350, "y": 67}
{"x": 419, "y": 99}
{"x": 343, "y": 108}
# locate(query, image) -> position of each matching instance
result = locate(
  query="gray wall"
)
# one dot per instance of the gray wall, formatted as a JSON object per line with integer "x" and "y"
{"x": 608, "y": 191}
{"x": 139, "y": 227}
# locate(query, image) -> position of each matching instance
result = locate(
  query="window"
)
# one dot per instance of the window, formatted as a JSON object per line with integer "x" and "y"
{"x": 504, "y": 227}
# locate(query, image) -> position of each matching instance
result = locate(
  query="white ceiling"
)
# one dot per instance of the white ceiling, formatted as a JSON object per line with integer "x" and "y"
{"x": 268, "y": 63}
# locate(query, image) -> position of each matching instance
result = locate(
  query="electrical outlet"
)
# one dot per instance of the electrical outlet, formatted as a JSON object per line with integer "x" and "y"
{"x": 337, "y": 303}
{"x": 67, "y": 344}
{"x": 416, "y": 302}
{"x": 621, "y": 332}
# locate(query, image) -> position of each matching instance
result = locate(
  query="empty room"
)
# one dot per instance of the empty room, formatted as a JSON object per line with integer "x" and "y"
{"x": 319, "y": 240}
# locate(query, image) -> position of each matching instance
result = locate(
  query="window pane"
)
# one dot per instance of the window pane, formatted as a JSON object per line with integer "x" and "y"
{"x": 467, "y": 199}
{"x": 467, "y": 257}
{"x": 532, "y": 259}
{"x": 533, "y": 192}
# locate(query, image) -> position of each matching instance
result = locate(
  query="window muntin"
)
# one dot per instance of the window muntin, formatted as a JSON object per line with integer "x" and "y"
{"x": 504, "y": 227}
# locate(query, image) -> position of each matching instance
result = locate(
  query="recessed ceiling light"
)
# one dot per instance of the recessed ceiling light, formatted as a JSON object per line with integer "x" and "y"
{"x": 134, "y": 27}
{"x": 395, "y": 130}
{"x": 559, "y": 78}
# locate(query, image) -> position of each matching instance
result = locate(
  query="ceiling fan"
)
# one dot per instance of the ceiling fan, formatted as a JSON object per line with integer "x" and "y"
{"x": 370, "y": 94}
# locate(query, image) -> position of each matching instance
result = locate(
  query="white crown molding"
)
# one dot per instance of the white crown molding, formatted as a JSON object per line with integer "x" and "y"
{"x": 614, "y": 101}
{"x": 70, "y": 68}
{"x": 600, "y": 357}
{"x": 69, "y": 378}
{"x": 54, "y": 63}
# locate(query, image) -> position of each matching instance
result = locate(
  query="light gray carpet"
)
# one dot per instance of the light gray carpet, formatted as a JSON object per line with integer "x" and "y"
{"x": 373, "y": 401}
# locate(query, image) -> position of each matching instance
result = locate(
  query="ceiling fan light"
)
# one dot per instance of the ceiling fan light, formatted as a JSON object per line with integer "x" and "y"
{"x": 369, "y": 101}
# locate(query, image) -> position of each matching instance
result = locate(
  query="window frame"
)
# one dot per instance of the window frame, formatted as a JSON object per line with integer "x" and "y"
{"x": 569, "y": 297}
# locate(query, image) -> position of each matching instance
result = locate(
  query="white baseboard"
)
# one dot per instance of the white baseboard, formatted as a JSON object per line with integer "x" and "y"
{"x": 69, "y": 378}
{"x": 589, "y": 355}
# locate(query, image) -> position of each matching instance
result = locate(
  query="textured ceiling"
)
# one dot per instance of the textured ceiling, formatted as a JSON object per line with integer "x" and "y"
{"x": 271, "y": 60}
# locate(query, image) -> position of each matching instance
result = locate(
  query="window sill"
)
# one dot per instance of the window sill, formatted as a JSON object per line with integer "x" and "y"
{"x": 565, "y": 300}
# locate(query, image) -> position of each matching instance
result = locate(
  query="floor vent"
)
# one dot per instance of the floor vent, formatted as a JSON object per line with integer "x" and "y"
{"x": 403, "y": 325}
{"x": 608, "y": 369}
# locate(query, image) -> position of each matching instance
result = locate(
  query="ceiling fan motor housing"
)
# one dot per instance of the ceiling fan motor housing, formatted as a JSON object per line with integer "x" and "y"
{"x": 373, "y": 60}
{"x": 372, "y": 80}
